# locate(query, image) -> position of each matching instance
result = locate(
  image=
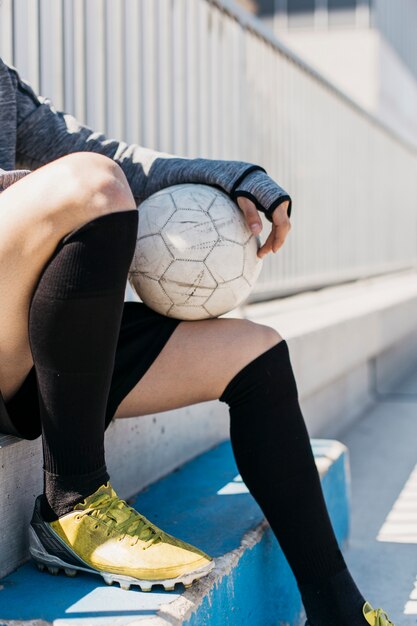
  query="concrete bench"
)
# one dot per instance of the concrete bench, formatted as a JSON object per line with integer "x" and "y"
{"x": 206, "y": 503}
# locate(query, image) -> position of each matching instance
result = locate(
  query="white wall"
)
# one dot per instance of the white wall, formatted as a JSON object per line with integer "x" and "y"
{"x": 363, "y": 64}
{"x": 397, "y": 21}
{"x": 348, "y": 58}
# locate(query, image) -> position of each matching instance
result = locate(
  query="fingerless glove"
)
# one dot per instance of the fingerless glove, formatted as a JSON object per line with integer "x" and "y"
{"x": 236, "y": 178}
{"x": 263, "y": 191}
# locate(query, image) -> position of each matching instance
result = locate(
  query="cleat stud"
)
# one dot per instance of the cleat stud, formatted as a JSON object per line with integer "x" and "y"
{"x": 125, "y": 586}
{"x": 108, "y": 580}
{"x": 188, "y": 586}
{"x": 70, "y": 572}
{"x": 169, "y": 588}
{"x": 40, "y": 566}
{"x": 145, "y": 589}
{"x": 53, "y": 570}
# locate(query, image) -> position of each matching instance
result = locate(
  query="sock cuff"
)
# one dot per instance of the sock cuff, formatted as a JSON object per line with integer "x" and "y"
{"x": 62, "y": 492}
{"x": 108, "y": 219}
{"x": 273, "y": 364}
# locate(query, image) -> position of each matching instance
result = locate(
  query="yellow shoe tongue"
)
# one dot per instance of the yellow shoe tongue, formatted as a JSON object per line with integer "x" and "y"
{"x": 369, "y": 614}
{"x": 119, "y": 512}
{"x": 104, "y": 490}
{"x": 376, "y": 617}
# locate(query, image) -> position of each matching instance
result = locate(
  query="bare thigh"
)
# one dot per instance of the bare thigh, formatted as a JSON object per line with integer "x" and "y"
{"x": 35, "y": 213}
{"x": 197, "y": 363}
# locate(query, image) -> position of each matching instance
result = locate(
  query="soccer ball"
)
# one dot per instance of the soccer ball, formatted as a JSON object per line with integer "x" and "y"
{"x": 195, "y": 255}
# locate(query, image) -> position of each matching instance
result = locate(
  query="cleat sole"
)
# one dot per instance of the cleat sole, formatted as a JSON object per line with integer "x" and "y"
{"x": 127, "y": 582}
{"x": 53, "y": 564}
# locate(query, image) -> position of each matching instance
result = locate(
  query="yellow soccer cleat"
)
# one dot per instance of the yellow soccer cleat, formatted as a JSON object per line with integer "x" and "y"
{"x": 375, "y": 617}
{"x": 105, "y": 536}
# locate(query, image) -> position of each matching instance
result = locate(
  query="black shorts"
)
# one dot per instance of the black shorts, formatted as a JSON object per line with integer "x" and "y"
{"x": 143, "y": 334}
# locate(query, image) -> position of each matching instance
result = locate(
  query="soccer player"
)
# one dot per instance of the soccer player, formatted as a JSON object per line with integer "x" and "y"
{"x": 73, "y": 356}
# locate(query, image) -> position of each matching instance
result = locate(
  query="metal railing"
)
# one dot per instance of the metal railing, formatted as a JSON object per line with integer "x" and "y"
{"x": 203, "y": 78}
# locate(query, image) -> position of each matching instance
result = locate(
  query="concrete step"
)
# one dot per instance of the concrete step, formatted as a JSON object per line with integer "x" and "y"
{"x": 205, "y": 503}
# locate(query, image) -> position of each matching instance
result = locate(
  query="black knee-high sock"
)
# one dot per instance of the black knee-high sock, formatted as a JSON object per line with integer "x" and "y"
{"x": 74, "y": 322}
{"x": 274, "y": 456}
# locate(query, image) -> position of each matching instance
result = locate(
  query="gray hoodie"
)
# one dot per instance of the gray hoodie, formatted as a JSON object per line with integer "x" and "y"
{"x": 33, "y": 133}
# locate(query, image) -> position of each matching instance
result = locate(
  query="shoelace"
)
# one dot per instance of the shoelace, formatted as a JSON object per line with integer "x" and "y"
{"x": 382, "y": 618}
{"x": 127, "y": 520}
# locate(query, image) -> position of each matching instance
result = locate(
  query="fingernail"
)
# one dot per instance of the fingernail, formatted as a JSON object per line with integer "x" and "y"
{"x": 255, "y": 228}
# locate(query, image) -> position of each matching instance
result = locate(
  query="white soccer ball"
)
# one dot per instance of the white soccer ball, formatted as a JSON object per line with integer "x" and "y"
{"x": 195, "y": 256}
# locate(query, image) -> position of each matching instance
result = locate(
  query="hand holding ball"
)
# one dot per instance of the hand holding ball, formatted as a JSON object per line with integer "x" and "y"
{"x": 195, "y": 255}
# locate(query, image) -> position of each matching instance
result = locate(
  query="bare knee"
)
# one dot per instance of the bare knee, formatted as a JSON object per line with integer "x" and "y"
{"x": 90, "y": 185}
{"x": 262, "y": 337}
{"x": 98, "y": 183}
{"x": 244, "y": 341}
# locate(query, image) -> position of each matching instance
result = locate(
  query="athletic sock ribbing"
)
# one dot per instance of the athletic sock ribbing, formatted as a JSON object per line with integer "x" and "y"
{"x": 274, "y": 456}
{"x": 74, "y": 323}
{"x": 334, "y": 601}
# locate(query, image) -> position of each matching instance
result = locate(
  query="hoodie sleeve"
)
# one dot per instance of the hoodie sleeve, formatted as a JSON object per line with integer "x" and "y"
{"x": 45, "y": 134}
